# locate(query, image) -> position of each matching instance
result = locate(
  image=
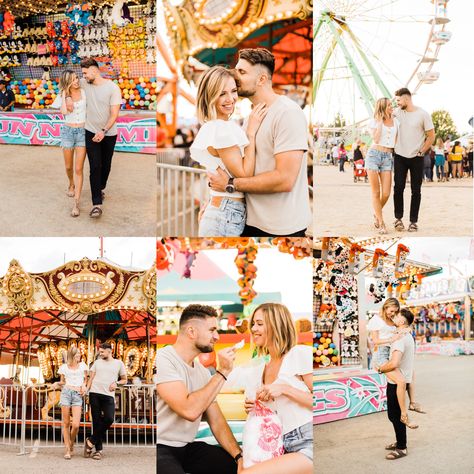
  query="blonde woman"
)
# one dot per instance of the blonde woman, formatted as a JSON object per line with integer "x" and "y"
{"x": 379, "y": 159}
{"x": 222, "y": 143}
{"x": 284, "y": 384}
{"x": 73, "y": 383}
{"x": 382, "y": 332}
{"x": 72, "y": 103}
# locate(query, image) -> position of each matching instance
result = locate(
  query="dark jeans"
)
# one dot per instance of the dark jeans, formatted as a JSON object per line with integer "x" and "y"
{"x": 100, "y": 160}
{"x": 401, "y": 167}
{"x": 394, "y": 413}
{"x": 103, "y": 412}
{"x": 250, "y": 231}
{"x": 440, "y": 171}
{"x": 194, "y": 458}
{"x": 341, "y": 165}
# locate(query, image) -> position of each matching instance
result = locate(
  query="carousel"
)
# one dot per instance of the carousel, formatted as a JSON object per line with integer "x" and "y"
{"x": 204, "y": 33}
{"x": 351, "y": 279}
{"x": 81, "y": 303}
{"x": 40, "y": 40}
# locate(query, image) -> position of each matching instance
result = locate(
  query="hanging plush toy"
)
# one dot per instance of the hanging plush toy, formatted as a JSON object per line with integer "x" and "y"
{"x": 8, "y": 23}
{"x": 116, "y": 16}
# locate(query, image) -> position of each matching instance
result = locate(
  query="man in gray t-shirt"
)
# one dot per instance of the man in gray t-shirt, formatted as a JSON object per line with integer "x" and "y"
{"x": 187, "y": 393}
{"x": 103, "y": 101}
{"x": 277, "y": 195}
{"x": 402, "y": 357}
{"x": 106, "y": 374}
{"x": 415, "y": 136}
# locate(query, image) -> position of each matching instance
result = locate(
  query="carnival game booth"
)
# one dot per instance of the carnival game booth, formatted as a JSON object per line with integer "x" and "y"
{"x": 351, "y": 278}
{"x": 81, "y": 303}
{"x": 443, "y": 316}
{"x": 188, "y": 274}
{"x": 38, "y": 41}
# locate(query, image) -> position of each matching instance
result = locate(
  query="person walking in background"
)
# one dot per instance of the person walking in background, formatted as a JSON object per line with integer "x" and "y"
{"x": 469, "y": 159}
{"x": 334, "y": 154}
{"x": 416, "y": 135}
{"x": 440, "y": 159}
{"x": 105, "y": 375}
{"x": 456, "y": 154}
{"x": 104, "y": 99}
{"x": 342, "y": 156}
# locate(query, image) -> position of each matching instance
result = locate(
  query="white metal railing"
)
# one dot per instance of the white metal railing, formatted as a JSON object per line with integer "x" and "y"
{"x": 31, "y": 417}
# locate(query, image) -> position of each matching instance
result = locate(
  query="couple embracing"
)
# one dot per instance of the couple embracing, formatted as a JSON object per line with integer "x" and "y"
{"x": 257, "y": 174}
{"x": 187, "y": 393}
{"x": 401, "y": 138}
{"x": 90, "y": 107}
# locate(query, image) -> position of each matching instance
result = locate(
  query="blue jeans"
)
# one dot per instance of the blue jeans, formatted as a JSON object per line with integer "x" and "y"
{"x": 380, "y": 356}
{"x": 300, "y": 440}
{"x": 72, "y": 137}
{"x": 377, "y": 160}
{"x": 227, "y": 220}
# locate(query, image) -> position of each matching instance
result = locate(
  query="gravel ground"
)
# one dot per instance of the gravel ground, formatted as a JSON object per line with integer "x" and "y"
{"x": 442, "y": 444}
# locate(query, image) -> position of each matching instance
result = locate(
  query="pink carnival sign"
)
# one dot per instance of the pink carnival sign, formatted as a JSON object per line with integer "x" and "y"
{"x": 136, "y": 134}
{"x": 348, "y": 397}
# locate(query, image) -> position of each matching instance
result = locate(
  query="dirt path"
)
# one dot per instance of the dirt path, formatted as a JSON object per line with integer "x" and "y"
{"x": 343, "y": 207}
{"x": 442, "y": 443}
{"x": 33, "y": 199}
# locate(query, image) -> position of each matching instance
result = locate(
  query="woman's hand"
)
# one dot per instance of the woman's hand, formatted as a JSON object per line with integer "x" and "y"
{"x": 248, "y": 405}
{"x": 255, "y": 119}
{"x": 83, "y": 390}
{"x": 69, "y": 104}
{"x": 272, "y": 391}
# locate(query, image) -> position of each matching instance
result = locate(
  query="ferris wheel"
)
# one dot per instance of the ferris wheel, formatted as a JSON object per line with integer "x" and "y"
{"x": 366, "y": 49}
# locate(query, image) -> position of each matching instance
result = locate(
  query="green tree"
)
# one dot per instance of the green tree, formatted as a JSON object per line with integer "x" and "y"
{"x": 444, "y": 125}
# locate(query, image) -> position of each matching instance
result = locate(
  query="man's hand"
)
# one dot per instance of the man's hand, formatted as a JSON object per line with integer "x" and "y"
{"x": 240, "y": 465}
{"x": 226, "y": 358}
{"x": 113, "y": 387}
{"x": 218, "y": 181}
{"x": 98, "y": 137}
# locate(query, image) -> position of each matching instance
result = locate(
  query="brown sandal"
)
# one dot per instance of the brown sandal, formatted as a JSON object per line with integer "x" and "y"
{"x": 396, "y": 454}
{"x": 75, "y": 209}
{"x": 391, "y": 447}
{"x": 88, "y": 449}
{"x": 96, "y": 212}
{"x": 404, "y": 419}
{"x": 416, "y": 407}
{"x": 97, "y": 455}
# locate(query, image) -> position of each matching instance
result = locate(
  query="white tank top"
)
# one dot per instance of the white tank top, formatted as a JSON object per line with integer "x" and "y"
{"x": 78, "y": 115}
{"x": 388, "y": 135}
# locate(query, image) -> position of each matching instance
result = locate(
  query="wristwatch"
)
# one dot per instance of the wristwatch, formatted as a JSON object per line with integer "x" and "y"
{"x": 104, "y": 130}
{"x": 230, "y": 188}
{"x": 237, "y": 457}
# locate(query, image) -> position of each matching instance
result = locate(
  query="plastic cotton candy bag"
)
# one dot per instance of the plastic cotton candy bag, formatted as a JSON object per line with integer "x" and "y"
{"x": 262, "y": 437}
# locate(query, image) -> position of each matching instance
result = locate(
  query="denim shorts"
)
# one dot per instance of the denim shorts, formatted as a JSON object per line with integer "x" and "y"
{"x": 377, "y": 160}
{"x": 380, "y": 356}
{"x": 300, "y": 440}
{"x": 227, "y": 220}
{"x": 72, "y": 137}
{"x": 70, "y": 398}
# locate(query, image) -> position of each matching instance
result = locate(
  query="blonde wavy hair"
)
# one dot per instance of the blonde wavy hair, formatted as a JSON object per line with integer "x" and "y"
{"x": 280, "y": 328}
{"x": 387, "y": 304}
{"x": 71, "y": 353}
{"x": 210, "y": 86}
{"x": 65, "y": 81}
{"x": 380, "y": 111}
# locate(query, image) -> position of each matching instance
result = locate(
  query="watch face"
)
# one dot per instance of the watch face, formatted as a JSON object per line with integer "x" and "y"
{"x": 230, "y": 188}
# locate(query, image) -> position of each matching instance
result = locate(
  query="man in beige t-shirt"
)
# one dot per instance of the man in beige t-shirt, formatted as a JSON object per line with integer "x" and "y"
{"x": 415, "y": 137}
{"x": 103, "y": 101}
{"x": 187, "y": 393}
{"x": 277, "y": 196}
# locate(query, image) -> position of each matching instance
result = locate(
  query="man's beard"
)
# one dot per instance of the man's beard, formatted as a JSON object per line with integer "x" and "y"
{"x": 245, "y": 93}
{"x": 90, "y": 81}
{"x": 205, "y": 349}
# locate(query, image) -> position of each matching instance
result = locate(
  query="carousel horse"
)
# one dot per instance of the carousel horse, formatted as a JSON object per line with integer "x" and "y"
{"x": 52, "y": 399}
{"x": 5, "y": 411}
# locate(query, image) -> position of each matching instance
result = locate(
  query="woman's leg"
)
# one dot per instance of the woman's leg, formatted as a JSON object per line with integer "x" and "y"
{"x": 290, "y": 463}
{"x": 76, "y": 420}
{"x": 68, "y": 154}
{"x": 386, "y": 182}
{"x": 65, "y": 415}
{"x": 79, "y": 170}
{"x": 374, "y": 180}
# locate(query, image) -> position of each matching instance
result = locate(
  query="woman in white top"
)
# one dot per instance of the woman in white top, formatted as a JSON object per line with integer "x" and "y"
{"x": 222, "y": 143}
{"x": 382, "y": 332}
{"x": 73, "y": 383}
{"x": 284, "y": 384}
{"x": 72, "y": 102}
{"x": 379, "y": 159}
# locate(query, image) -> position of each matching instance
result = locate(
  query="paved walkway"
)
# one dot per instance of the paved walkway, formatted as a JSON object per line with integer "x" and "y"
{"x": 343, "y": 207}
{"x": 442, "y": 444}
{"x": 33, "y": 199}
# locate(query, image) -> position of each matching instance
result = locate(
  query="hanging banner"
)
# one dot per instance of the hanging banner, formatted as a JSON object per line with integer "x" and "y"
{"x": 135, "y": 134}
